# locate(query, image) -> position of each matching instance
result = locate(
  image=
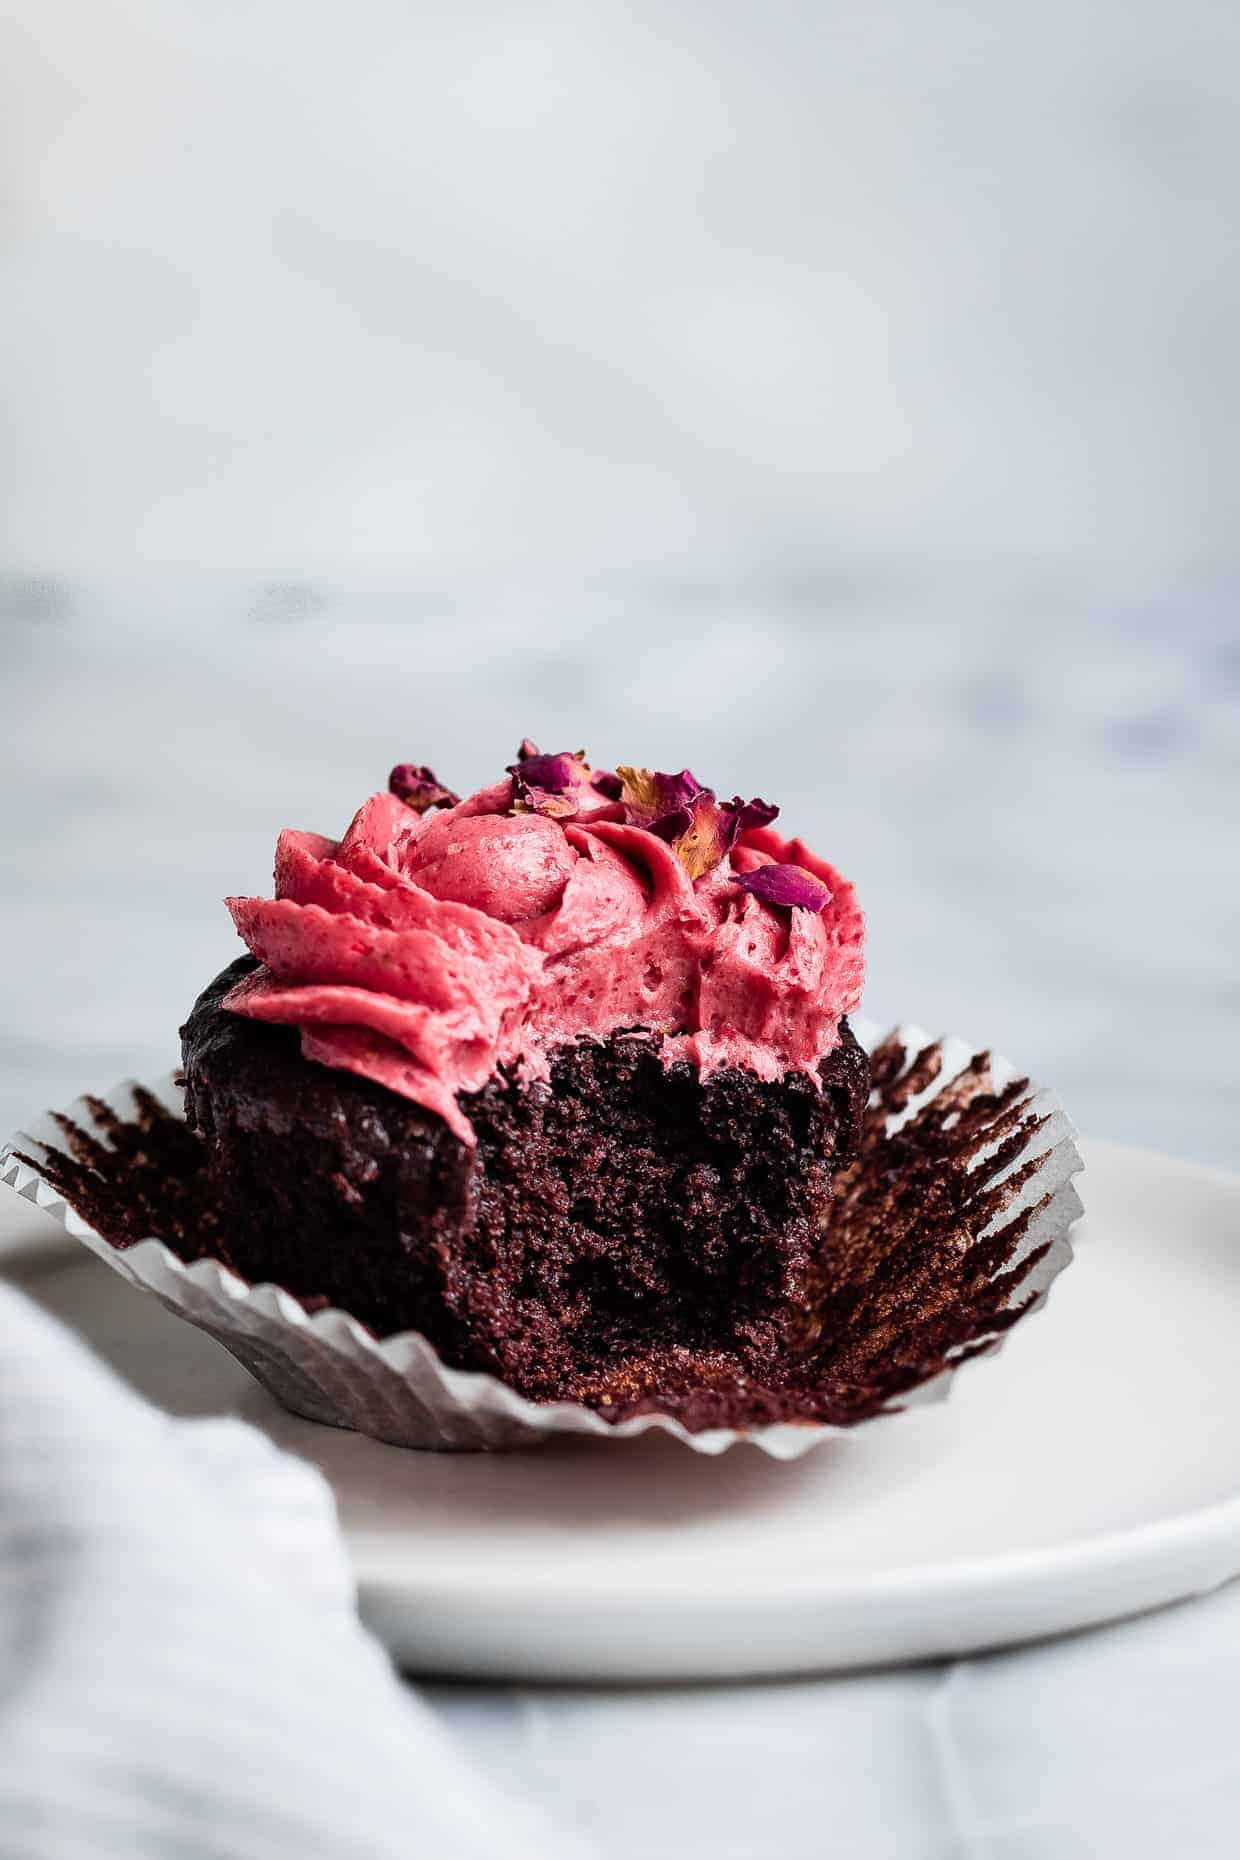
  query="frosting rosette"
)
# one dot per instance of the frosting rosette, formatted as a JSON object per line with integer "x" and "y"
{"x": 436, "y": 944}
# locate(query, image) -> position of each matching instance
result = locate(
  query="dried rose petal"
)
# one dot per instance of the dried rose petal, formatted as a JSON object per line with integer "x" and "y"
{"x": 551, "y": 785}
{"x": 558, "y": 774}
{"x": 704, "y": 842}
{"x": 701, "y": 830}
{"x": 788, "y": 885}
{"x": 735, "y": 815}
{"x": 661, "y": 803}
{"x": 419, "y": 787}
{"x": 753, "y": 813}
{"x": 678, "y": 808}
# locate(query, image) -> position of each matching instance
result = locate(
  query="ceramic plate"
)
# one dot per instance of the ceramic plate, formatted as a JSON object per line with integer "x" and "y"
{"x": 1091, "y": 1470}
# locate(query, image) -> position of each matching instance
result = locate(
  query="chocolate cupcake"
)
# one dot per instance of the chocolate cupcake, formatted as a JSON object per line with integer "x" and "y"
{"x": 558, "y": 1076}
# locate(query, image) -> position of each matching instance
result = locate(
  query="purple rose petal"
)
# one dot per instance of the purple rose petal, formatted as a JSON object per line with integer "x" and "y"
{"x": 753, "y": 813}
{"x": 419, "y": 787}
{"x": 550, "y": 785}
{"x": 660, "y": 803}
{"x": 673, "y": 807}
{"x": 736, "y": 815}
{"x": 557, "y": 774}
{"x": 681, "y": 811}
{"x": 788, "y": 885}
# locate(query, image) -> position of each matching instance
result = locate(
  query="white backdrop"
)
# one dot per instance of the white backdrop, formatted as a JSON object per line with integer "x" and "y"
{"x": 788, "y": 293}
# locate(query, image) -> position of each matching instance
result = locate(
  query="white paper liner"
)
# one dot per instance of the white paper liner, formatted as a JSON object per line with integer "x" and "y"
{"x": 328, "y": 1367}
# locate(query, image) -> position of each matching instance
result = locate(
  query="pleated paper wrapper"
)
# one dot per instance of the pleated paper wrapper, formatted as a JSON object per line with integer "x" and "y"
{"x": 948, "y": 1126}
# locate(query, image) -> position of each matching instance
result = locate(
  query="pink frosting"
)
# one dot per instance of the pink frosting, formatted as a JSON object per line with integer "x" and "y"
{"x": 426, "y": 951}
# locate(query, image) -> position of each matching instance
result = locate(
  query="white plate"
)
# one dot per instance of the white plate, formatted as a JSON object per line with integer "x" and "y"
{"x": 1090, "y": 1471}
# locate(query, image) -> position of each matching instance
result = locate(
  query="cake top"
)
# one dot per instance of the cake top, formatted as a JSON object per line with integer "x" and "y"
{"x": 442, "y": 939}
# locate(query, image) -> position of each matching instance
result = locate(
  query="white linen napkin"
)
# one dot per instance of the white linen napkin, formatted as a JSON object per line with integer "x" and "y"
{"x": 181, "y": 1670}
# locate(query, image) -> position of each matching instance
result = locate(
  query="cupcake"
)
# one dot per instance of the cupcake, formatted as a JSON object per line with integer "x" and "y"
{"x": 559, "y": 1076}
{"x": 541, "y": 1113}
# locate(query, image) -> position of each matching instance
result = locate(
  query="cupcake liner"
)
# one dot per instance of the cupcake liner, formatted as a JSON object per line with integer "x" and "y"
{"x": 950, "y": 1226}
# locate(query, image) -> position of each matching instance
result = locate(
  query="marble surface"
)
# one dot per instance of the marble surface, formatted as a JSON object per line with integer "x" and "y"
{"x": 1113, "y": 1745}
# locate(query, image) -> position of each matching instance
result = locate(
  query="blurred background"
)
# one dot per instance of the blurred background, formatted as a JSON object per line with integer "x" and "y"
{"x": 840, "y": 400}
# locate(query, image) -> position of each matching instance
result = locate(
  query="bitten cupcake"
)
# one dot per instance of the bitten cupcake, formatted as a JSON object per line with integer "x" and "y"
{"x": 559, "y": 1076}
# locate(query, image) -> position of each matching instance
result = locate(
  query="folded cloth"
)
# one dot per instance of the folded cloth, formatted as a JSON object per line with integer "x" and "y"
{"x": 182, "y": 1672}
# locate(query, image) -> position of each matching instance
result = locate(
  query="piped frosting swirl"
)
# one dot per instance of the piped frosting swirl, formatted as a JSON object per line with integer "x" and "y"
{"x": 432, "y": 946}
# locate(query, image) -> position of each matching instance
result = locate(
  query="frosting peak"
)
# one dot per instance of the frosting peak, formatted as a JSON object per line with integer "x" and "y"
{"x": 431, "y": 946}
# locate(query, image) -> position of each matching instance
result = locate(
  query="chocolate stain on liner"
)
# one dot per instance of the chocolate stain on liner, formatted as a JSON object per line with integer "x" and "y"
{"x": 925, "y": 1262}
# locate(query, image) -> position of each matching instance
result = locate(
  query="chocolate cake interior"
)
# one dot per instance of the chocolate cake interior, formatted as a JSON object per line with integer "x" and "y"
{"x": 618, "y": 1211}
